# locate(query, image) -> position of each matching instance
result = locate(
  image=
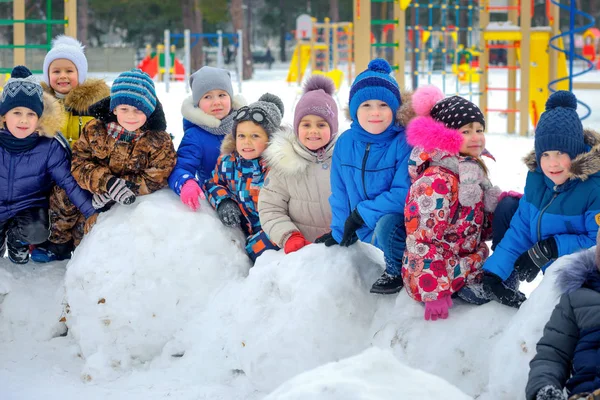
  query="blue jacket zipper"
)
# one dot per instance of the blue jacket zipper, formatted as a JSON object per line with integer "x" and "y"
{"x": 364, "y": 165}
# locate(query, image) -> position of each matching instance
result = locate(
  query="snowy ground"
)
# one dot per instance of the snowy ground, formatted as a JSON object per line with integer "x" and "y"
{"x": 162, "y": 304}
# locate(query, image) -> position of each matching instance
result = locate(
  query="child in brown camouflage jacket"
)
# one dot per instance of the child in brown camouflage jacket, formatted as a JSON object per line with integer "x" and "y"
{"x": 124, "y": 152}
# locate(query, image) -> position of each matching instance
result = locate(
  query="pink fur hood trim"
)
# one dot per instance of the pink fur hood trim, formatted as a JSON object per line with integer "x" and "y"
{"x": 430, "y": 135}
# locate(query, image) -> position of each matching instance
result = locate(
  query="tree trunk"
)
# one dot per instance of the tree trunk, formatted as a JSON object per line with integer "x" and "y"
{"x": 192, "y": 20}
{"x": 237, "y": 17}
{"x": 334, "y": 10}
{"x": 463, "y": 17}
{"x": 82, "y": 21}
{"x": 282, "y": 32}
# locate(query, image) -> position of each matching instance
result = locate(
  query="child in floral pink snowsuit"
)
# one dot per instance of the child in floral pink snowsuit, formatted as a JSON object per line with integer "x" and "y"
{"x": 449, "y": 207}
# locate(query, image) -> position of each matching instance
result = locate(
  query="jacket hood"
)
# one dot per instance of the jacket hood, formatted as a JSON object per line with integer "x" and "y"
{"x": 53, "y": 118}
{"x": 581, "y": 271}
{"x": 431, "y": 135}
{"x": 287, "y": 156}
{"x": 83, "y": 95}
{"x": 584, "y": 165}
{"x": 198, "y": 117}
{"x": 228, "y": 144}
{"x": 155, "y": 122}
{"x": 404, "y": 114}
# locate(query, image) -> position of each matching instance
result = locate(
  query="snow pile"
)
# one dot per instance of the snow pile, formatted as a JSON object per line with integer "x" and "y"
{"x": 373, "y": 375}
{"x": 141, "y": 274}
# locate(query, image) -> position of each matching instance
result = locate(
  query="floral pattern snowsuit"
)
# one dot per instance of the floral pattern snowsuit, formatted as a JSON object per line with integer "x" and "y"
{"x": 445, "y": 245}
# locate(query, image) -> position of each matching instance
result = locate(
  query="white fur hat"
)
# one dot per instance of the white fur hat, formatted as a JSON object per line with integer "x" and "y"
{"x": 70, "y": 49}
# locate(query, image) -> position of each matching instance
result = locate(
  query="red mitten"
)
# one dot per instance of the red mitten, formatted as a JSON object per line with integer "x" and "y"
{"x": 295, "y": 242}
{"x": 510, "y": 193}
{"x": 437, "y": 308}
{"x": 190, "y": 191}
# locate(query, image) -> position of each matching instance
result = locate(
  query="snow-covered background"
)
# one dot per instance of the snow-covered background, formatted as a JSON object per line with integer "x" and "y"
{"x": 161, "y": 303}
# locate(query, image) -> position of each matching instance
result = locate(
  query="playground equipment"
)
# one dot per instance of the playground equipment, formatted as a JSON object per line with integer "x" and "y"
{"x": 154, "y": 63}
{"x": 181, "y": 71}
{"x": 591, "y": 44}
{"x": 536, "y": 52}
{"x": 322, "y": 45}
{"x": 19, "y": 23}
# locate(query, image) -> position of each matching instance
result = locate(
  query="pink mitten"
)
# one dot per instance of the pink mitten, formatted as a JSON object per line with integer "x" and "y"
{"x": 190, "y": 191}
{"x": 437, "y": 308}
{"x": 510, "y": 193}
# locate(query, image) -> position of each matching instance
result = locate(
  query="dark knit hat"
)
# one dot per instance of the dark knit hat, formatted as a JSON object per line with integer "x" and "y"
{"x": 456, "y": 112}
{"x": 317, "y": 100}
{"x": 210, "y": 78}
{"x": 375, "y": 83}
{"x": 134, "y": 88}
{"x": 266, "y": 112}
{"x": 22, "y": 90}
{"x": 559, "y": 127}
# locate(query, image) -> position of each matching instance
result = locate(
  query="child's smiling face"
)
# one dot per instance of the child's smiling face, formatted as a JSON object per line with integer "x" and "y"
{"x": 216, "y": 103}
{"x": 250, "y": 140}
{"x": 374, "y": 116}
{"x": 129, "y": 117}
{"x": 556, "y": 166}
{"x": 21, "y": 122}
{"x": 314, "y": 132}
{"x": 63, "y": 75}
{"x": 474, "y": 139}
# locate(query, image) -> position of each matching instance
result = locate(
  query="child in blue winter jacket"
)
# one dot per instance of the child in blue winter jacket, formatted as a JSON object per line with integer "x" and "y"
{"x": 560, "y": 210}
{"x": 241, "y": 169}
{"x": 369, "y": 172}
{"x": 207, "y": 118}
{"x": 31, "y": 161}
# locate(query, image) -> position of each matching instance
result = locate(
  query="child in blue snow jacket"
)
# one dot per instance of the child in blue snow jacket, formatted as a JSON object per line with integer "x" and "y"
{"x": 207, "y": 118}
{"x": 240, "y": 171}
{"x": 560, "y": 210}
{"x": 369, "y": 172}
{"x": 31, "y": 161}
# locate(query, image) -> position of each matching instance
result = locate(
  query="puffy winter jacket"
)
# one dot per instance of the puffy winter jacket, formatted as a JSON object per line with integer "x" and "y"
{"x": 27, "y": 176}
{"x": 369, "y": 173}
{"x": 568, "y": 354}
{"x": 570, "y": 212}
{"x": 199, "y": 149}
{"x": 296, "y": 192}
{"x": 77, "y": 103}
{"x": 448, "y": 213}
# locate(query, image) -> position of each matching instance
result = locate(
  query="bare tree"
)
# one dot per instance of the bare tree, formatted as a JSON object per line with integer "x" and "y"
{"x": 334, "y": 10}
{"x": 237, "y": 17}
{"x": 192, "y": 20}
{"x": 82, "y": 21}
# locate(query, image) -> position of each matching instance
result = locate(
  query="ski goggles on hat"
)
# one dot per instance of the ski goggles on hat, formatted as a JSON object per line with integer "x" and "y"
{"x": 255, "y": 115}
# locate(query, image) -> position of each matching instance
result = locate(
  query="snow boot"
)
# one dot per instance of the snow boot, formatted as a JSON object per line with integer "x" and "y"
{"x": 387, "y": 284}
{"x": 48, "y": 252}
{"x": 18, "y": 251}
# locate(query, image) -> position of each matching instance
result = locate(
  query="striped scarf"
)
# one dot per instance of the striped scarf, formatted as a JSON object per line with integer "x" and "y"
{"x": 121, "y": 134}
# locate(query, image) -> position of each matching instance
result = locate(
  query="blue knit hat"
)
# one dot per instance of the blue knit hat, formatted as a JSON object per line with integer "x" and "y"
{"x": 559, "y": 128}
{"x": 22, "y": 90}
{"x": 375, "y": 83}
{"x": 134, "y": 88}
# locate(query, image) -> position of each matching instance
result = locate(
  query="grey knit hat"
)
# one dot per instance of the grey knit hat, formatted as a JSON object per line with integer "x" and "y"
{"x": 266, "y": 112}
{"x": 207, "y": 79}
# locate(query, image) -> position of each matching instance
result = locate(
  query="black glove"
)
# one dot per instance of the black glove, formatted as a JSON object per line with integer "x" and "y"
{"x": 528, "y": 264}
{"x": 327, "y": 239}
{"x": 550, "y": 393}
{"x": 498, "y": 291}
{"x": 351, "y": 225}
{"x": 229, "y": 213}
{"x": 119, "y": 190}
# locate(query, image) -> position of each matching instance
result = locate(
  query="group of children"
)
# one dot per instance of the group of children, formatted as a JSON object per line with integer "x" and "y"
{"x": 408, "y": 177}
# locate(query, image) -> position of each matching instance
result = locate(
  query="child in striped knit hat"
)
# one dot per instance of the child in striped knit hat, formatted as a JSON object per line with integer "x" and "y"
{"x": 125, "y": 151}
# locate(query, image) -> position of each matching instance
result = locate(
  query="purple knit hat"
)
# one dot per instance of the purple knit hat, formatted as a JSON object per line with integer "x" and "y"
{"x": 317, "y": 100}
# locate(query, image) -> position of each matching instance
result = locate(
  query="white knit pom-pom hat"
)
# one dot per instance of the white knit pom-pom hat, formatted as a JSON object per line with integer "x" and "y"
{"x": 70, "y": 49}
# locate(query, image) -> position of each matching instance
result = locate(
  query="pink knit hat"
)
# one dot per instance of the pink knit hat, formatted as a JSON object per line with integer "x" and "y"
{"x": 317, "y": 100}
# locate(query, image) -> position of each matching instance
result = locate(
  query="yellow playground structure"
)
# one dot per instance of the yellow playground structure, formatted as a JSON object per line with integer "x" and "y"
{"x": 425, "y": 49}
{"x": 328, "y": 46}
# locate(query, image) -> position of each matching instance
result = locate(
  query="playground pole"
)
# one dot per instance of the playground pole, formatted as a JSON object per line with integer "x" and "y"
{"x": 220, "y": 49}
{"x": 328, "y": 44}
{"x": 335, "y": 46}
{"x": 71, "y": 18}
{"x": 511, "y": 60}
{"x": 399, "y": 37}
{"x": 186, "y": 58}
{"x": 19, "y": 32}
{"x": 240, "y": 59}
{"x": 525, "y": 66}
{"x": 553, "y": 53}
{"x": 484, "y": 20}
{"x": 166, "y": 76}
{"x": 362, "y": 34}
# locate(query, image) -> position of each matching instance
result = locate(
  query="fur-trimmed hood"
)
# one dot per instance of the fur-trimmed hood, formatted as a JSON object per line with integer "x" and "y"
{"x": 404, "y": 114}
{"x": 155, "y": 122}
{"x": 584, "y": 165}
{"x": 288, "y": 157}
{"x": 198, "y": 117}
{"x": 53, "y": 118}
{"x": 581, "y": 271}
{"x": 228, "y": 144}
{"x": 81, "y": 98}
